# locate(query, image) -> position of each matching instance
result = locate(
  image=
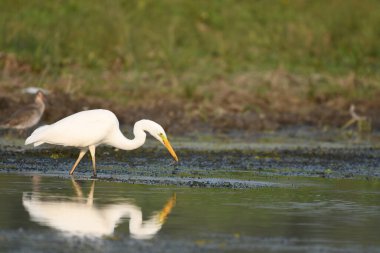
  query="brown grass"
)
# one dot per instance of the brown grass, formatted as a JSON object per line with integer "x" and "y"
{"x": 247, "y": 102}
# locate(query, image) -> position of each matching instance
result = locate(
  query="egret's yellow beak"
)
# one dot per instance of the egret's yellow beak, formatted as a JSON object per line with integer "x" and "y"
{"x": 169, "y": 147}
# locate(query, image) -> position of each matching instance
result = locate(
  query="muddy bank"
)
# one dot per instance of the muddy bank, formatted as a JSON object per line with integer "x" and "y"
{"x": 207, "y": 164}
{"x": 233, "y": 111}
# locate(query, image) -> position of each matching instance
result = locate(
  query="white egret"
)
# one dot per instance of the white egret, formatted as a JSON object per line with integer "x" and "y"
{"x": 26, "y": 116}
{"x": 88, "y": 129}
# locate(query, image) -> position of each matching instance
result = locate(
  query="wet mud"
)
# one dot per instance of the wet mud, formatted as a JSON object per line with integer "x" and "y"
{"x": 214, "y": 243}
{"x": 203, "y": 164}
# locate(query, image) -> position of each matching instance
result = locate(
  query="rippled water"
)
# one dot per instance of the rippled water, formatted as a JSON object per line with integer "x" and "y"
{"x": 48, "y": 214}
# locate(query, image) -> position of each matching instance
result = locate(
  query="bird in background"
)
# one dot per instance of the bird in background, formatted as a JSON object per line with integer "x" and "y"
{"x": 27, "y": 116}
{"x": 88, "y": 129}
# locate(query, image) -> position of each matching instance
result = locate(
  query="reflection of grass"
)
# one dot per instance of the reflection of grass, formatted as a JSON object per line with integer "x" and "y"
{"x": 241, "y": 57}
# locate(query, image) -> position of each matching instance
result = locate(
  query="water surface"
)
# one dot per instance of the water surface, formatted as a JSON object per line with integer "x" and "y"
{"x": 306, "y": 215}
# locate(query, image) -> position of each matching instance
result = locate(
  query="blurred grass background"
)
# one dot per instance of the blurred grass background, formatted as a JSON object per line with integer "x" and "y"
{"x": 218, "y": 36}
{"x": 213, "y": 54}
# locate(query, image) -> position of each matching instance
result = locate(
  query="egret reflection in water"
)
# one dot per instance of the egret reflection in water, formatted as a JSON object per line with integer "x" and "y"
{"x": 81, "y": 217}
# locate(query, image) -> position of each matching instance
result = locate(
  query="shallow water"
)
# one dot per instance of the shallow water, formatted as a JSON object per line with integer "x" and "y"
{"x": 49, "y": 214}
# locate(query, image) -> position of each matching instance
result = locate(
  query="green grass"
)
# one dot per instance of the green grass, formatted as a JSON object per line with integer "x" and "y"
{"x": 175, "y": 36}
{"x": 129, "y": 48}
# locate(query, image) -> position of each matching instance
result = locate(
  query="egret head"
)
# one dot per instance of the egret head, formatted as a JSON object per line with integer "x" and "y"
{"x": 159, "y": 133}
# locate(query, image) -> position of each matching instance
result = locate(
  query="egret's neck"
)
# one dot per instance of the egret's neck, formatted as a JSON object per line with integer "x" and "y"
{"x": 118, "y": 140}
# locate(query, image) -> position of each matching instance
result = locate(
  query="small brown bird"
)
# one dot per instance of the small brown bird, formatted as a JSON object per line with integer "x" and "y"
{"x": 27, "y": 116}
